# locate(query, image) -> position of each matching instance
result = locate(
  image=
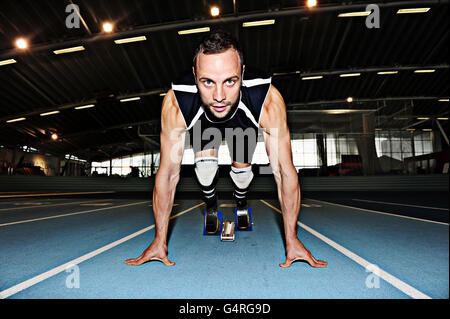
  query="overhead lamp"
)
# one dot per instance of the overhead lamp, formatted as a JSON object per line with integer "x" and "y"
{"x": 69, "y": 50}
{"x": 82, "y": 107}
{"x": 423, "y": 118}
{"x": 311, "y": 3}
{"x": 425, "y": 71}
{"x": 130, "y": 99}
{"x": 54, "y": 136}
{"x": 258, "y": 23}
{"x": 108, "y": 27}
{"x": 347, "y": 75}
{"x": 21, "y": 43}
{"x": 129, "y": 40}
{"x": 413, "y": 10}
{"x": 197, "y": 30}
{"x": 317, "y": 77}
{"x": 16, "y": 120}
{"x": 6, "y": 62}
{"x": 215, "y": 11}
{"x": 442, "y": 118}
{"x": 354, "y": 14}
{"x": 49, "y": 113}
{"x": 387, "y": 72}
{"x": 349, "y": 99}
{"x": 443, "y": 100}
{"x": 427, "y": 130}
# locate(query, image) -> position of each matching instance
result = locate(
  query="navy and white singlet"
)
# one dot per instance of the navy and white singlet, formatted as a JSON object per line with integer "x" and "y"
{"x": 240, "y": 127}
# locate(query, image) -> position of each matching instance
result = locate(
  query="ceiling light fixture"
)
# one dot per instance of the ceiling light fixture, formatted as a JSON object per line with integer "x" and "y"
{"x": 129, "y": 40}
{"x": 21, "y": 43}
{"x": 108, "y": 27}
{"x": 16, "y": 120}
{"x": 425, "y": 71}
{"x": 137, "y": 98}
{"x": 215, "y": 11}
{"x": 258, "y": 23}
{"x": 317, "y": 77}
{"x": 387, "y": 72}
{"x": 354, "y": 14}
{"x": 413, "y": 10}
{"x": 197, "y": 30}
{"x": 49, "y": 113}
{"x": 6, "y": 62}
{"x": 347, "y": 75}
{"x": 311, "y": 3}
{"x": 69, "y": 50}
{"x": 84, "y": 107}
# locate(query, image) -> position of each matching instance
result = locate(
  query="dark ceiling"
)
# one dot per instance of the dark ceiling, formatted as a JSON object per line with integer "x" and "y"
{"x": 301, "y": 42}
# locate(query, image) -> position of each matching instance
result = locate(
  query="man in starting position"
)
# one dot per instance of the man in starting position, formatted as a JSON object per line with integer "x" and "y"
{"x": 217, "y": 97}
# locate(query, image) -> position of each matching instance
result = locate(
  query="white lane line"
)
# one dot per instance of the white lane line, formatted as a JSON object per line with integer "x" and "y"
{"x": 55, "y": 194}
{"x": 37, "y": 279}
{"x": 378, "y": 212}
{"x": 70, "y": 214}
{"x": 397, "y": 283}
{"x": 399, "y": 204}
{"x": 52, "y": 205}
{"x": 96, "y": 204}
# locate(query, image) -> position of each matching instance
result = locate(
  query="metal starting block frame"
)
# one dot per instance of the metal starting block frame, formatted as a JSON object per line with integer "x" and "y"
{"x": 227, "y": 231}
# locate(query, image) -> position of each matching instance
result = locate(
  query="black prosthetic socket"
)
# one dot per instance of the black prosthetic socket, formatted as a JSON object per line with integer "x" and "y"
{"x": 209, "y": 196}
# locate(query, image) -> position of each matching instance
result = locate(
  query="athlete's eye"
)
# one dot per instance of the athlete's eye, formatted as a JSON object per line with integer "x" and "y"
{"x": 208, "y": 83}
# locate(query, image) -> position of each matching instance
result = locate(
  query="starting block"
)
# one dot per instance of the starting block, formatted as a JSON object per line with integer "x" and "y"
{"x": 243, "y": 213}
{"x": 227, "y": 231}
{"x": 219, "y": 231}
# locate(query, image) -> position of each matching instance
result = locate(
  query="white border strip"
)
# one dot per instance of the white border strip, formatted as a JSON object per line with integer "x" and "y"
{"x": 255, "y": 82}
{"x": 249, "y": 114}
{"x": 37, "y": 279}
{"x": 195, "y": 119}
{"x": 399, "y": 204}
{"x": 378, "y": 212}
{"x": 397, "y": 283}
{"x": 185, "y": 88}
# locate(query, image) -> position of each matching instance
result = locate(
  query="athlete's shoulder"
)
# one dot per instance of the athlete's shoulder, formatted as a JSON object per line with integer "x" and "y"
{"x": 171, "y": 116}
{"x": 274, "y": 110}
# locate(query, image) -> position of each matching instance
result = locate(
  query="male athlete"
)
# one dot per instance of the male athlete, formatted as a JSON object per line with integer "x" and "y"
{"x": 217, "y": 97}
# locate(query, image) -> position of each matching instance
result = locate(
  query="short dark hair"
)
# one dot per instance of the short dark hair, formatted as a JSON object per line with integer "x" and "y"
{"x": 217, "y": 41}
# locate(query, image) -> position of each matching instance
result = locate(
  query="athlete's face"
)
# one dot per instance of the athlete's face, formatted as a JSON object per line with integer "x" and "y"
{"x": 219, "y": 80}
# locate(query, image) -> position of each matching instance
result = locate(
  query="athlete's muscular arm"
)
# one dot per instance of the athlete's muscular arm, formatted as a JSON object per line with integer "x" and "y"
{"x": 166, "y": 179}
{"x": 278, "y": 145}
